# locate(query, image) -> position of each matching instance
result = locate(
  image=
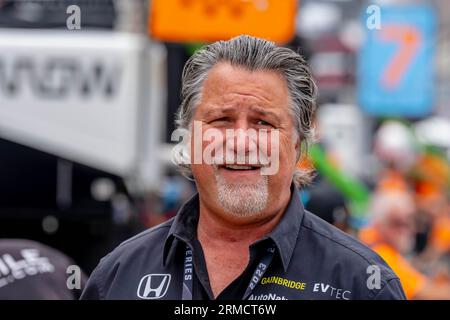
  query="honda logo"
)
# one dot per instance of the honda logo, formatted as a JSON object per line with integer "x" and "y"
{"x": 153, "y": 286}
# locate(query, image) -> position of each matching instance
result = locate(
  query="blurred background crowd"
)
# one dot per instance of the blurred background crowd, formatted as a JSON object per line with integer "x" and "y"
{"x": 87, "y": 101}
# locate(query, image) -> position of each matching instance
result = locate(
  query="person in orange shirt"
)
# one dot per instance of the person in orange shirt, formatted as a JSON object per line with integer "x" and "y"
{"x": 391, "y": 235}
{"x": 435, "y": 208}
{"x": 440, "y": 234}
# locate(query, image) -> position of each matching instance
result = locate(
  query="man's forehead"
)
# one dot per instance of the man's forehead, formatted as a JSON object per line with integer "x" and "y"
{"x": 227, "y": 85}
{"x": 216, "y": 110}
{"x": 401, "y": 212}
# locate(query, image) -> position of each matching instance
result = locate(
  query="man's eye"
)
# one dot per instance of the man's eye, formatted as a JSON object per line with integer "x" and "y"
{"x": 264, "y": 123}
{"x": 223, "y": 119}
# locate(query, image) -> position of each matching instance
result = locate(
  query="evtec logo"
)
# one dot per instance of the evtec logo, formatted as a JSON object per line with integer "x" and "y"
{"x": 335, "y": 293}
{"x": 153, "y": 286}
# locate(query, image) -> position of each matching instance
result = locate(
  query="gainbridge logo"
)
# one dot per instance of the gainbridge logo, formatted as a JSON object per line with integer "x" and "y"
{"x": 284, "y": 282}
{"x": 211, "y": 20}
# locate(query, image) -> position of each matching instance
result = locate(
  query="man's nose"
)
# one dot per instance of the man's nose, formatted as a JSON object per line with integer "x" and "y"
{"x": 242, "y": 124}
{"x": 243, "y": 139}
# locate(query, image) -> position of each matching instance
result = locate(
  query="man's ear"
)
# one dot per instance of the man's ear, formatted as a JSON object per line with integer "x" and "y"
{"x": 298, "y": 144}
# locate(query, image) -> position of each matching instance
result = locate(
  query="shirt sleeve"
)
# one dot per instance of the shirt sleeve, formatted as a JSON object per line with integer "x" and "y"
{"x": 92, "y": 288}
{"x": 392, "y": 290}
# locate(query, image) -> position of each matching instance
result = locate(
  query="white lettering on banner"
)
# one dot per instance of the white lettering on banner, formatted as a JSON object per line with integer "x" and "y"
{"x": 58, "y": 77}
{"x": 32, "y": 263}
{"x": 90, "y": 96}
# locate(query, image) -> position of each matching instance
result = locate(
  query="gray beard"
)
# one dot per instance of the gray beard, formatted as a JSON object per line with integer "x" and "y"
{"x": 242, "y": 199}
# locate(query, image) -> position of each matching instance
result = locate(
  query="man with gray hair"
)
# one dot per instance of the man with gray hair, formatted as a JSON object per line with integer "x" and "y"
{"x": 247, "y": 109}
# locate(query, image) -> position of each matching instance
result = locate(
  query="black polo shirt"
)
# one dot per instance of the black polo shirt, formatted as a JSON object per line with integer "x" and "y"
{"x": 311, "y": 260}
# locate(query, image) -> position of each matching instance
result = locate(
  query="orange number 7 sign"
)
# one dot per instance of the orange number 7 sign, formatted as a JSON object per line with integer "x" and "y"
{"x": 409, "y": 40}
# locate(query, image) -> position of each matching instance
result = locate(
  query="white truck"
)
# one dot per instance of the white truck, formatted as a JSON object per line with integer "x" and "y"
{"x": 82, "y": 118}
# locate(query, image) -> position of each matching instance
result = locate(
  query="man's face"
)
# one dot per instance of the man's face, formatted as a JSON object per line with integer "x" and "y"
{"x": 235, "y": 99}
{"x": 399, "y": 228}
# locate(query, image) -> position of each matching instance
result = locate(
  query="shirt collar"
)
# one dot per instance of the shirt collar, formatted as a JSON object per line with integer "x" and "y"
{"x": 184, "y": 226}
{"x": 284, "y": 235}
